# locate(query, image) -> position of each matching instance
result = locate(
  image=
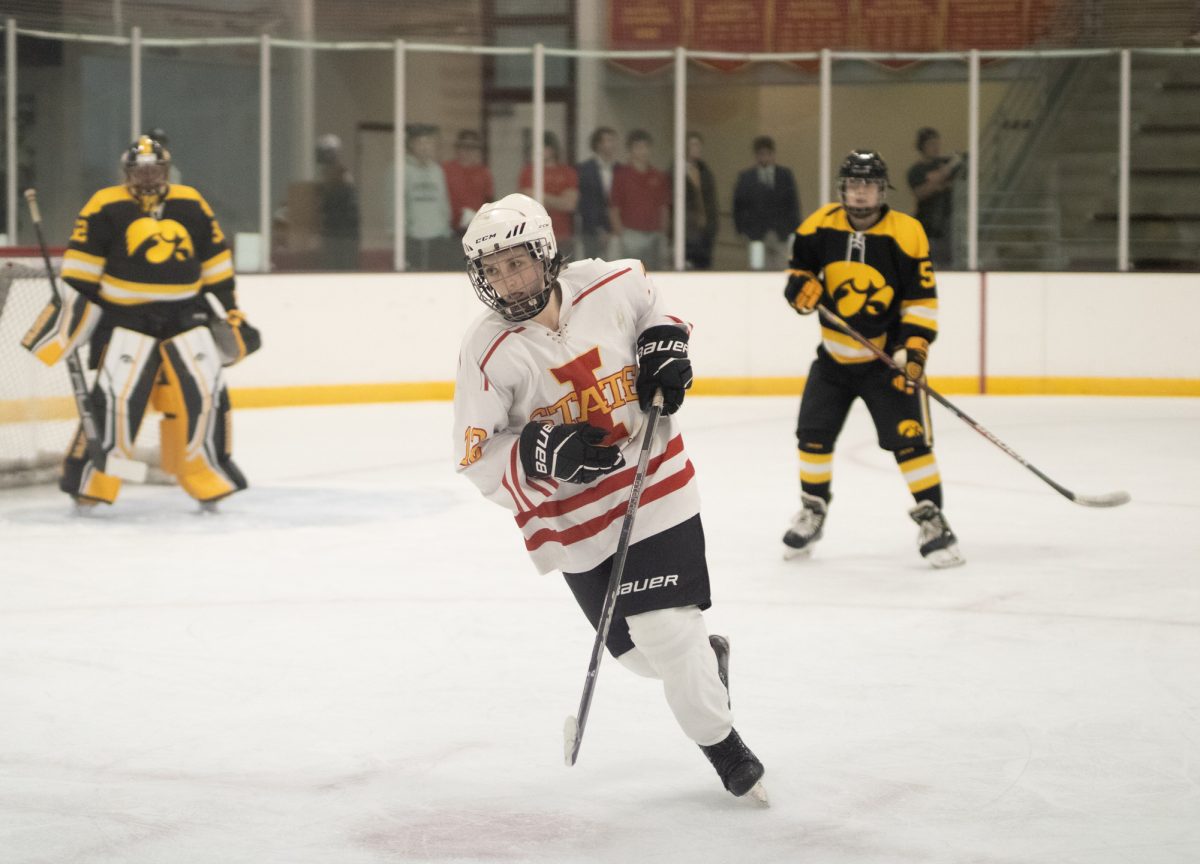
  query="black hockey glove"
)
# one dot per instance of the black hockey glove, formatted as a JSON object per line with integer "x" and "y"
{"x": 911, "y": 359}
{"x": 803, "y": 291}
{"x": 571, "y": 453}
{"x": 663, "y": 364}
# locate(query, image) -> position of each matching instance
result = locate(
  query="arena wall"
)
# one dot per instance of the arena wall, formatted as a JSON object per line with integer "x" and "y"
{"x": 331, "y": 338}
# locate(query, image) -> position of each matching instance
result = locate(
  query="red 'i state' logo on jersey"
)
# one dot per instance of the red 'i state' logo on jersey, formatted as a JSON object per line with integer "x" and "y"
{"x": 591, "y": 400}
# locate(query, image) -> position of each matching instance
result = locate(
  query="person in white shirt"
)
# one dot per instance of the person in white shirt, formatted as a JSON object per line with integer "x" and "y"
{"x": 549, "y": 404}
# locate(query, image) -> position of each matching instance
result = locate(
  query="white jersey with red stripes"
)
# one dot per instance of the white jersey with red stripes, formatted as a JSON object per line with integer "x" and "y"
{"x": 510, "y": 374}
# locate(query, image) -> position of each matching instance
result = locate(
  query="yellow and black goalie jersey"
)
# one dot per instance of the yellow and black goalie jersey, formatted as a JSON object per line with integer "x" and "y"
{"x": 149, "y": 270}
{"x": 879, "y": 281}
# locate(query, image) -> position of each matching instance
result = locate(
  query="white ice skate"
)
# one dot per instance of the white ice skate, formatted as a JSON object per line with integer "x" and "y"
{"x": 806, "y": 527}
{"x": 936, "y": 541}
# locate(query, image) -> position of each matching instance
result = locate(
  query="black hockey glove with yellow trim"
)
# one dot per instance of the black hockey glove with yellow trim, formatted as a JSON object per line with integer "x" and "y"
{"x": 911, "y": 358}
{"x": 803, "y": 291}
{"x": 663, "y": 364}
{"x": 235, "y": 337}
{"x": 571, "y": 453}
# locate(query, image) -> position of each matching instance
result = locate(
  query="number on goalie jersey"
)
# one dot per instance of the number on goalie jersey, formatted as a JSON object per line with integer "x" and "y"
{"x": 559, "y": 346}
{"x": 141, "y": 259}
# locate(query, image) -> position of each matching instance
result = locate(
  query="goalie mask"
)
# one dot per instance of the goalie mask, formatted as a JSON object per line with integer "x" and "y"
{"x": 147, "y": 167}
{"x": 516, "y": 283}
{"x": 863, "y": 166}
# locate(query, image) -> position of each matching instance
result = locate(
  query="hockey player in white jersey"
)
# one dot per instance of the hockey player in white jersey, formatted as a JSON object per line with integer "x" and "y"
{"x": 553, "y": 384}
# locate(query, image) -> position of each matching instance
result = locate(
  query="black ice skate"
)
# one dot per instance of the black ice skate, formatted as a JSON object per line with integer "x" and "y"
{"x": 937, "y": 542}
{"x": 738, "y": 768}
{"x": 720, "y": 647}
{"x": 806, "y": 527}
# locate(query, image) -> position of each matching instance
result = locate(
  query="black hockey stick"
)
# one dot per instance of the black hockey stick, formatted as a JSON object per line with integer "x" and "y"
{"x": 117, "y": 466}
{"x": 1111, "y": 499}
{"x": 573, "y": 730}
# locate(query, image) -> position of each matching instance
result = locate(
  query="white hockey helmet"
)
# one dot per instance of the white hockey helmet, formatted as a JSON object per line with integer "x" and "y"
{"x": 514, "y": 220}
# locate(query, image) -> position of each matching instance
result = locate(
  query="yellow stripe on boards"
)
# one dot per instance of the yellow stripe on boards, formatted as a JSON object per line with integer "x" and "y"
{"x": 63, "y": 408}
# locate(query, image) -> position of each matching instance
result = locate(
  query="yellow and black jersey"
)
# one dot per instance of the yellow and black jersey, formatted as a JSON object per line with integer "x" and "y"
{"x": 879, "y": 281}
{"x": 149, "y": 267}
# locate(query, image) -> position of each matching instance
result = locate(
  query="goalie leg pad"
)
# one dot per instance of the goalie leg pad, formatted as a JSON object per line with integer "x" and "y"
{"x": 80, "y": 479}
{"x": 118, "y": 403}
{"x": 61, "y": 326}
{"x": 675, "y": 643}
{"x": 197, "y": 435}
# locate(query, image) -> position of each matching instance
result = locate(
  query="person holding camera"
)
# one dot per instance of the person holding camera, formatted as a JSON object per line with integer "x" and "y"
{"x": 932, "y": 182}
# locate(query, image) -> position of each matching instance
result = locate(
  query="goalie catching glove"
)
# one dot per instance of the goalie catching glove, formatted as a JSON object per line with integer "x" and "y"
{"x": 571, "y": 453}
{"x": 663, "y": 364}
{"x": 911, "y": 359}
{"x": 803, "y": 291}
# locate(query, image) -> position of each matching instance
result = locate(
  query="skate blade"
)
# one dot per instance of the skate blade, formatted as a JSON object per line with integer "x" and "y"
{"x": 942, "y": 559}
{"x": 758, "y": 794}
{"x": 791, "y": 553}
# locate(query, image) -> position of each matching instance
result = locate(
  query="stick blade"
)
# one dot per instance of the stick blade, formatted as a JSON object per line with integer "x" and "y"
{"x": 570, "y": 741}
{"x": 1110, "y": 499}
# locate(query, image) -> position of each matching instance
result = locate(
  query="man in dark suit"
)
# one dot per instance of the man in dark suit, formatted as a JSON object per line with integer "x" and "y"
{"x": 766, "y": 208}
{"x": 595, "y": 186}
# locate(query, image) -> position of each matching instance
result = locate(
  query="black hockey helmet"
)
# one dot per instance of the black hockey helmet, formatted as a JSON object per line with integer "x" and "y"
{"x": 147, "y": 167}
{"x": 863, "y": 165}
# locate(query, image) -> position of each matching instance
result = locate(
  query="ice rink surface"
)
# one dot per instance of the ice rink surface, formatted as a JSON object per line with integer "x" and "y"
{"x": 354, "y": 661}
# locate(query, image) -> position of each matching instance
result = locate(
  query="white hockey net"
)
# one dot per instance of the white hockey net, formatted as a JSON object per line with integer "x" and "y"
{"x": 37, "y": 411}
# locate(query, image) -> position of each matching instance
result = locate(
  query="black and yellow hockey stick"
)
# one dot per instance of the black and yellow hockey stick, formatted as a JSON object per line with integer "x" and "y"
{"x": 1111, "y": 499}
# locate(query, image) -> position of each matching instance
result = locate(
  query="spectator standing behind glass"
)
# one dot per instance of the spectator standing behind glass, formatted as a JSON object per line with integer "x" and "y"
{"x": 700, "y": 207}
{"x": 931, "y": 179}
{"x": 468, "y": 181}
{"x": 560, "y": 186}
{"x": 766, "y": 208}
{"x": 337, "y": 208}
{"x": 595, "y": 186}
{"x": 426, "y": 202}
{"x": 639, "y": 205}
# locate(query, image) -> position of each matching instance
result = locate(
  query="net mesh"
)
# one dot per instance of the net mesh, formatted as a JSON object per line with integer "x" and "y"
{"x": 719, "y": 25}
{"x": 37, "y": 412}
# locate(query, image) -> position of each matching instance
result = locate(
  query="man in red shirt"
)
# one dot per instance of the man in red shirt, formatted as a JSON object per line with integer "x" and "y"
{"x": 560, "y": 184}
{"x": 639, "y": 203}
{"x": 468, "y": 181}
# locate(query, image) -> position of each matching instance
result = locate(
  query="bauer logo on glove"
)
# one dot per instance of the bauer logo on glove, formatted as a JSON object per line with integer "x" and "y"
{"x": 663, "y": 364}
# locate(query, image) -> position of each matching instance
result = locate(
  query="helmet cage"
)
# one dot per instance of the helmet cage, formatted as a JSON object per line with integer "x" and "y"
{"x": 539, "y": 249}
{"x": 147, "y": 171}
{"x": 863, "y": 165}
{"x": 514, "y": 221}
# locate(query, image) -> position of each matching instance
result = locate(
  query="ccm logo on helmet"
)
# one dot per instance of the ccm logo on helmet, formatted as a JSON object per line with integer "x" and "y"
{"x": 486, "y": 237}
{"x": 648, "y": 584}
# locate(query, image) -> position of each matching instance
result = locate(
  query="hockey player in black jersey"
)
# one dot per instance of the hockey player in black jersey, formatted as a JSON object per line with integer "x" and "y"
{"x": 870, "y": 266}
{"x": 147, "y": 279}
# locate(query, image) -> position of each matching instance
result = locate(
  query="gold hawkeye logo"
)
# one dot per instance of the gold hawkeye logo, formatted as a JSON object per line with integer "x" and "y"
{"x": 159, "y": 240}
{"x": 856, "y": 287}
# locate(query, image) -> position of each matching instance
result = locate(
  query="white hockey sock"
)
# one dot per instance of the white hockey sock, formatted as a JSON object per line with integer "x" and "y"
{"x": 675, "y": 643}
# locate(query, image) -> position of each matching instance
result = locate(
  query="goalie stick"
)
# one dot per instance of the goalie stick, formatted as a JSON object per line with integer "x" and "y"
{"x": 1109, "y": 499}
{"x": 573, "y": 729}
{"x": 116, "y": 466}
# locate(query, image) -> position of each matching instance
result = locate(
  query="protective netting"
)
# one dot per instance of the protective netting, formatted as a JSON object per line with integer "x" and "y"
{"x": 37, "y": 414}
{"x": 717, "y": 25}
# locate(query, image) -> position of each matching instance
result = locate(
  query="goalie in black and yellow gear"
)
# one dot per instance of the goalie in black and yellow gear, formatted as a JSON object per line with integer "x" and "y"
{"x": 145, "y": 263}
